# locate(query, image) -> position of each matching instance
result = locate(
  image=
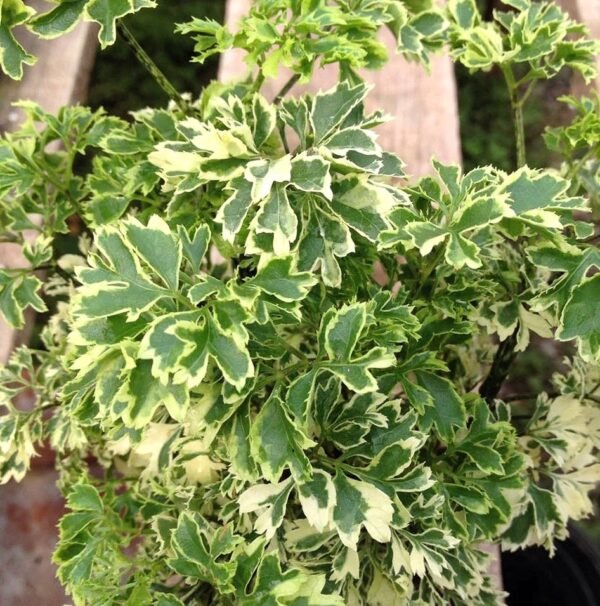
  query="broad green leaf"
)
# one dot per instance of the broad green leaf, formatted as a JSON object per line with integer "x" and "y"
{"x": 324, "y": 239}
{"x": 426, "y": 236}
{"x": 118, "y": 284}
{"x": 18, "y": 292}
{"x": 461, "y": 252}
{"x": 263, "y": 174}
{"x": 361, "y": 504}
{"x": 84, "y": 497}
{"x": 143, "y": 395}
{"x": 329, "y": 109}
{"x": 277, "y": 443}
{"x": 233, "y": 212}
{"x": 270, "y": 501}
{"x": 265, "y": 118}
{"x": 277, "y": 217}
{"x": 59, "y": 20}
{"x": 447, "y": 411}
{"x": 157, "y": 247}
{"x": 12, "y": 55}
{"x": 300, "y": 395}
{"x": 356, "y": 373}
{"x": 341, "y": 335}
{"x": 106, "y": 13}
{"x": 279, "y": 278}
{"x": 343, "y": 331}
{"x": 318, "y": 499}
{"x": 231, "y": 357}
{"x": 195, "y": 247}
{"x": 580, "y": 318}
{"x": 165, "y": 347}
{"x": 195, "y": 555}
{"x": 310, "y": 173}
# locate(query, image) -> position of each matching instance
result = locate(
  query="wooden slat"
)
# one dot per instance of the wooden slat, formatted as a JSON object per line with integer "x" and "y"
{"x": 30, "y": 511}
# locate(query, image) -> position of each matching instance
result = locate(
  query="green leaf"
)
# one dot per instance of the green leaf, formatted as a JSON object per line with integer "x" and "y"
{"x": 426, "y": 236}
{"x": 195, "y": 247}
{"x": 157, "y": 247}
{"x": 361, "y": 504}
{"x": 329, "y": 109}
{"x": 164, "y": 346}
{"x": 85, "y": 497}
{"x": 278, "y": 278}
{"x": 300, "y": 395}
{"x": 264, "y": 120}
{"x": 195, "y": 552}
{"x": 461, "y": 252}
{"x": 532, "y": 190}
{"x": 580, "y": 318}
{"x": 572, "y": 263}
{"x": 317, "y": 497}
{"x": 447, "y": 411}
{"x": 231, "y": 357}
{"x": 263, "y": 174}
{"x": 117, "y": 283}
{"x": 60, "y": 20}
{"x": 12, "y": 55}
{"x": 106, "y": 13}
{"x": 270, "y": 500}
{"x": 17, "y": 293}
{"x": 277, "y": 443}
{"x": 342, "y": 333}
{"x": 324, "y": 239}
{"x": 310, "y": 173}
{"x": 143, "y": 395}
{"x": 233, "y": 212}
{"x": 276, "y": 217}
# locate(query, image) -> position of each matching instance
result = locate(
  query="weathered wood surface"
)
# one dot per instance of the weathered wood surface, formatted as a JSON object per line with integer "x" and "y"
{"x": 425, "y": 110}
{"x": 29, "y": 511}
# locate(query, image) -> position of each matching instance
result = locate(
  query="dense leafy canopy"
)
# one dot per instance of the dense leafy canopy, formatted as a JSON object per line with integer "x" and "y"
{"x": 270, "y": 343}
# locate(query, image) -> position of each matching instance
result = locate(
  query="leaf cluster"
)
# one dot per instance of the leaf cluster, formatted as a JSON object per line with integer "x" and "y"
{"x": 264, "y": 361}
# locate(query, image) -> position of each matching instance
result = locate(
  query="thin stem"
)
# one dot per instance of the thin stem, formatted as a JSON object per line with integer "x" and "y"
{"x": 517, "y": 109}
{"x": 527, "y": 93}
{"x": 429, "y": 269}
{"x": 287, "y": 87}
{"x": 153, "y": 69}
{"x": 259, "y": 81}
{"x": 575, "y": 169}
{"x": 503, "y": 359}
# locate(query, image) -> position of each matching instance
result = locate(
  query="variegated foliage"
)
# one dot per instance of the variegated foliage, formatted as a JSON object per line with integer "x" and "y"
{"x": 261, "y": 369}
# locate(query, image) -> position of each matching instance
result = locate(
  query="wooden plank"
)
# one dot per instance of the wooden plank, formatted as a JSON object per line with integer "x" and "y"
{"x": 29, "y": 511}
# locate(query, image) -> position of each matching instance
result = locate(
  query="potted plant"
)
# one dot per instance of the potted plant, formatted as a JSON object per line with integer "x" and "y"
{"x": 242, "y": 412}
